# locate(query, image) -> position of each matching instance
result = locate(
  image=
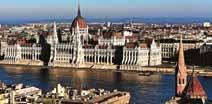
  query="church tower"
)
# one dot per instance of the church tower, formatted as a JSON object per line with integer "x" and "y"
{"x": 180, "y": 72}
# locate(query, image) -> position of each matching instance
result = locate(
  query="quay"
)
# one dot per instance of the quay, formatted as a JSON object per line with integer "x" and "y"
{"x": 163, "y": 70}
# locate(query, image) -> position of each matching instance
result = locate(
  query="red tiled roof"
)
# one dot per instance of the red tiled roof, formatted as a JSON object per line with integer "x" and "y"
{"x": 143, "y": 45}
{"x": 80, "y": 21}
{"x": 118, "y": 35}
{"x": 26, "y": 45}
{"x": 87, "y": 46}
{"x": 130, "y": 45}
{"x": 149, "y": 41}
{"x": 102, "y": 46}
{"x": 21, "y": 41}
{"x": 195, "y": 89}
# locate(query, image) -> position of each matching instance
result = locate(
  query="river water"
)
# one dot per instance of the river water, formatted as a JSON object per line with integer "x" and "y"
{"x": 155, "y": 89}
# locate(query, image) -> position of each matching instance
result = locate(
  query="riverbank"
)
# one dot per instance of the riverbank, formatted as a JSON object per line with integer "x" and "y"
{"x": 171, "y": 70}
{"x": 60, "y": 65}
{"x": 153, "y": 89}
{"x": 163, "y": 70}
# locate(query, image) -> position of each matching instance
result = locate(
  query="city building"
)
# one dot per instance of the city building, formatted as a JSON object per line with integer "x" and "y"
{"x": 206, "y": 24}
{"x": 170, "y": 47}
{"x": 206, "y": 48}
{"x": 116, "y": 40}
{"x": 120, "y": 49}
{"x": 20, "y": 94}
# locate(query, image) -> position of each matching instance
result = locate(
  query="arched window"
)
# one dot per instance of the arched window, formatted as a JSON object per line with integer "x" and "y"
{"x": 179, "y": 81}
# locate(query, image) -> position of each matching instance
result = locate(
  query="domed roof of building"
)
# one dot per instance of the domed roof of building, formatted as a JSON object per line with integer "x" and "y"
{"x": 79, "y": 20}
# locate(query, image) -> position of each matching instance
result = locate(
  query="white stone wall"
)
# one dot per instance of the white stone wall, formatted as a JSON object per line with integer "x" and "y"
{"x": 70, "y": 54}
{"x": 99, "y": 56}
{"x": 22, "y": 53}
{"x": 143, "y": 57}
{"x": 64, "y": 53}
{"x": 3, "y": 47}
{"x": 80, "y": 34}
{"x": 169, "y": 49}
{"x": 105, "y": 42}
{"x": 112, "y": 41}
{"x": 12, "y": 52}
{"x": 119, "y": 42}
{"x": 155, "y": 57}
{"x": 31, "y": 52}
{"x": 130, "y": 56}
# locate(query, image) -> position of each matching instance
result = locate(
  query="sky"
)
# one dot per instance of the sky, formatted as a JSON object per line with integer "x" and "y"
{"x": 65, "y": 9}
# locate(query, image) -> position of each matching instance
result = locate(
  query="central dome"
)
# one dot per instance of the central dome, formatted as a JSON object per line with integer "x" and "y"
{"x": 80, "y": 21}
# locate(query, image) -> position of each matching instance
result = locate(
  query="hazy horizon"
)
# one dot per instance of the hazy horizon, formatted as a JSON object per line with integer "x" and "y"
{"x": 150, "y": 20}
{"x": 66, "y": 9}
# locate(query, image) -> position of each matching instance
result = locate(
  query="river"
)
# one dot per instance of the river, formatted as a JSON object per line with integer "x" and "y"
{"x": 155, "y": 89}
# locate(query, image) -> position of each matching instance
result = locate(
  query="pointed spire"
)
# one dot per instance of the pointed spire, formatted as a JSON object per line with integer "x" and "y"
{"x": 181, "y": 73}
{"x": 131, "y": 23}
{"x": 79, "y": 11}
{"x": 181, "y": 60}
{"x": 55, "y": 37}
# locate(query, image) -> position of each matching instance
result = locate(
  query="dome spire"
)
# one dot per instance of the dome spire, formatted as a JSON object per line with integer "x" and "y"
{"x": 79, "y": 11}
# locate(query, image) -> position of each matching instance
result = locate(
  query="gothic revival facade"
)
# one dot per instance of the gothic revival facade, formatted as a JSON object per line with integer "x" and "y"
{"x": 27, "y": 54}
{"x": 80, "y": 53}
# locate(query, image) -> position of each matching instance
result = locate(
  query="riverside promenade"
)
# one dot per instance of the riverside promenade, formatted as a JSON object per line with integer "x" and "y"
{"x": 118, "y": 68}
{"x": 170, "y": 70}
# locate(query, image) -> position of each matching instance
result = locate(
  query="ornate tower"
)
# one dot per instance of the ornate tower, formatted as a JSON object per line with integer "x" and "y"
{"x": 180, "y": 72}
{"x": 55, "y": 37}
{"x": 79, "y": 29}
{"x": 53, "y": 42}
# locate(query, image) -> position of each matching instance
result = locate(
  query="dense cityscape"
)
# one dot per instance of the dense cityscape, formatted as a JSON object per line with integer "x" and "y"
{"x": 74, "y": 61}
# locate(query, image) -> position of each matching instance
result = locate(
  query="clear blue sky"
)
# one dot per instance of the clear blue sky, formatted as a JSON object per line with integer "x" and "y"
{"x": 50, "y": 9}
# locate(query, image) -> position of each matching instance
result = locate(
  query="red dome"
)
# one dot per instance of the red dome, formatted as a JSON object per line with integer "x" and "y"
{"x": 80, "y": 21}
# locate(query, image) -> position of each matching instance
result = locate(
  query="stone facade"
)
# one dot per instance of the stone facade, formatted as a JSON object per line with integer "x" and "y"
{"x": 28, "y": 54}
{"x": 169, "y": 50}
{"x": 78, "y": 53}
{"x": 170, "y": 47}
{"x": 141, "y": 56}
{"x": 113, "y": 41}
